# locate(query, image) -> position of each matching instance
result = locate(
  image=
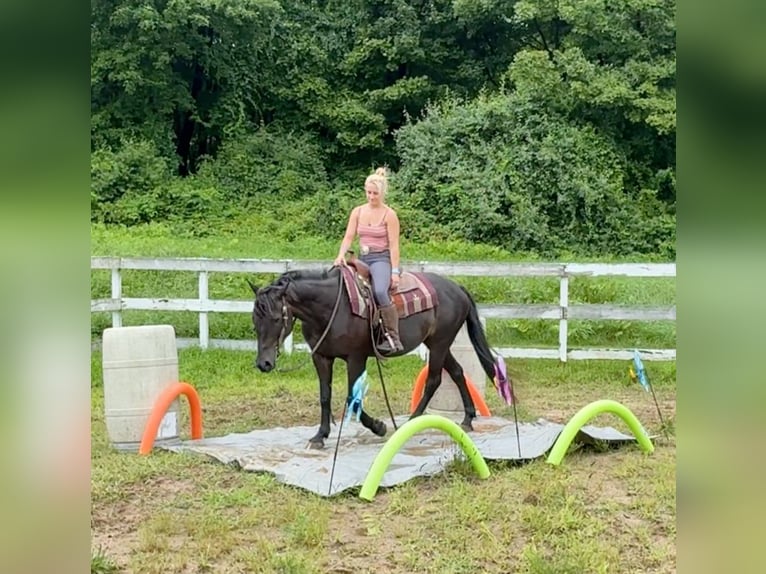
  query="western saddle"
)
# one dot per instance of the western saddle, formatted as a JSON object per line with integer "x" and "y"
{"x": 360, "y": 266}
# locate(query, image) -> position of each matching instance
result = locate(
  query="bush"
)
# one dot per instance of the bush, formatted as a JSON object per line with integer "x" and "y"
{"x": 268, "y": 163}
{"x": 123, "y": 182}
{"x": 193, "y": 205}
{"x": 504, "y": 171}
{"x": 133, "y": 185}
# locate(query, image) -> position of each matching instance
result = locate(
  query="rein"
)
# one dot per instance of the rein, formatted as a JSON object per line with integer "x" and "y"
{"x": 378, "y": 358}
{"x": 324, "y": 334}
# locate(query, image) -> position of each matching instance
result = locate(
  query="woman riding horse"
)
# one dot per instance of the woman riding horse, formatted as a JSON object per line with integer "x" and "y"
{"x": 377, "y": 226}
{"x": 333, "y": 331}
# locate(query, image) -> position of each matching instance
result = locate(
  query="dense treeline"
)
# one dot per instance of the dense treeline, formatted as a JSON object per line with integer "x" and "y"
{"x": 541, "y": 126}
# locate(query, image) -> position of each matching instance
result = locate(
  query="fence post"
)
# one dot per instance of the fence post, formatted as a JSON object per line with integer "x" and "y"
{"x": 204, "y": 325}
{"x": 117, "y": 294}
{"x": 564, "y": 304}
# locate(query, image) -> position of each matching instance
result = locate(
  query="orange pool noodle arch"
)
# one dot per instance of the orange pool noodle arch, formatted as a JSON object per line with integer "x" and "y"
{"x": 161, "y": 406}
{"x": 420, "y": 383}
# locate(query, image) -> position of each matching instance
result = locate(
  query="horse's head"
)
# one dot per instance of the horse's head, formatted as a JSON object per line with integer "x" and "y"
{"x": 272, "y": 322}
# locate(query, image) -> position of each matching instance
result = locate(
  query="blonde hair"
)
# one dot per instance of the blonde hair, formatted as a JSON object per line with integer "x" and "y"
{"x": 380, "y": 178}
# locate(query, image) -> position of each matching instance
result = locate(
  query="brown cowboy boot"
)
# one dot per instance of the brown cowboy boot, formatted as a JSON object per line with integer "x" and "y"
{"x": 390, "y": 317}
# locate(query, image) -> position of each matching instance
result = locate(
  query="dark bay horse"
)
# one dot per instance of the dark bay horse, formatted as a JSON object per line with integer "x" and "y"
{"x": 319, "y": 300}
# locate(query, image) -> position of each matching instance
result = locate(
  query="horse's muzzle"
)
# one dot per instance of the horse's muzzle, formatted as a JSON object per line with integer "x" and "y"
{"x": 264, "y": 366}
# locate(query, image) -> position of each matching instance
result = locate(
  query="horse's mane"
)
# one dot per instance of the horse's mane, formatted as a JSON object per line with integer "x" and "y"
{"x": 308, "y": 274}
{"x": 279, "y": 285}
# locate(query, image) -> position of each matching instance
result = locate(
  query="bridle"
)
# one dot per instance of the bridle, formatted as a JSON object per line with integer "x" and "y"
{"x": 288, "y": 324}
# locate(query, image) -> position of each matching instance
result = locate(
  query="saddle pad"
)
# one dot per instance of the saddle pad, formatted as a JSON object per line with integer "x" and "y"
{"x": 417, "y": 294}
{"x": 358, "y": 303}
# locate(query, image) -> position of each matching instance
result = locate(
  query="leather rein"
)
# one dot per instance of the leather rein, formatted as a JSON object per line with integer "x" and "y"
{"x": 287, "y": 326}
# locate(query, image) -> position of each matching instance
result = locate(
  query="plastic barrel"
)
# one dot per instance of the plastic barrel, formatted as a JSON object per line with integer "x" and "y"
{"x": 138, "y": 363}
{"x": 446, "y": 400}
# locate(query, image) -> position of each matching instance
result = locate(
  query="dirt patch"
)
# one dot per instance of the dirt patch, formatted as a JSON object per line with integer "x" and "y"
{"x": 362, "y": 542}
{"x": 114, "y": 530}
{"x": 114, "y": 526}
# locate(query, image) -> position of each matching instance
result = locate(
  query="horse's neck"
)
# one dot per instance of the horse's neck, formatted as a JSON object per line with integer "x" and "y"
{"x": 310, "y": 300}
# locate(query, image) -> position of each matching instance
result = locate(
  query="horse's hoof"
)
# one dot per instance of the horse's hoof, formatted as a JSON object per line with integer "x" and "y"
{"x": 380, "y": 429}
{"x": 466, "y": 426}
{"x": 316, "y": 443}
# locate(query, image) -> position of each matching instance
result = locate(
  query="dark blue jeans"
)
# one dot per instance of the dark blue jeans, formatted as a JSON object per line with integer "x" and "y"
{"x": 380, "y": 274}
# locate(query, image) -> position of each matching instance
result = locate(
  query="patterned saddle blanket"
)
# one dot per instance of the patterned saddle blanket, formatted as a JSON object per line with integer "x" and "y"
{"x": 414, "y": 295}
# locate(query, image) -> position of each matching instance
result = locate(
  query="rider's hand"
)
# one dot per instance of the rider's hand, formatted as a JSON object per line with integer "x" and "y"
{"x": 339, "y": 260}
{"x": 394, "y": 281}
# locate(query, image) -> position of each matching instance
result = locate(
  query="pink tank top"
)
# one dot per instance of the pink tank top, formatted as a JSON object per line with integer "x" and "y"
{"x": 373, "y": 237}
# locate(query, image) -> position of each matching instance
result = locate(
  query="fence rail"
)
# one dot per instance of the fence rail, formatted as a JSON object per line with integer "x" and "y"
{"x": 563, "y": 312}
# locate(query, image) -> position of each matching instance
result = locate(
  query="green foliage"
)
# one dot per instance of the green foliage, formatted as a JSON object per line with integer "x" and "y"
{"x": 575, "y": 154}
{"x": 544, "y": 128}
{"x": 612, "y": 65}
{"x": 123, "y": 181}
{"x": 194, "y": 206}
{"x": 100, "y": 563}
{"x": 268, "y": 164}
{"x": 133, "y": 185}
{"x": 322, "y": 215}
{"x": 500, "y": 170}
{"x": 182, "y": 74}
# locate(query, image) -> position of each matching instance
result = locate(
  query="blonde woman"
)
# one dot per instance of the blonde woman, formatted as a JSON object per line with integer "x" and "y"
{"x": 377, "y": 226}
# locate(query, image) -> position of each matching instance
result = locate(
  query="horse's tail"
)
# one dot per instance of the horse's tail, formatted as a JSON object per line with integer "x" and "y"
{"x": 478, "y": 338}
{"x": 481, "y": 346}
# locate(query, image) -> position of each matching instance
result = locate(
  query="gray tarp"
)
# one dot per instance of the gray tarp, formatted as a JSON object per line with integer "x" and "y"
{"x": 284, "y": 451}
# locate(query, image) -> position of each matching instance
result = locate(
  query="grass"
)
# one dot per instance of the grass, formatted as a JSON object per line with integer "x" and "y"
{"x": 600, "y": 511}
{"x": 100, "y": 563}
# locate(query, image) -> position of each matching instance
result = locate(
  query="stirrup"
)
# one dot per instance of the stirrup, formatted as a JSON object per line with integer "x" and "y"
{"x": 385, "y": 351}
{"x": 387, "y": 346}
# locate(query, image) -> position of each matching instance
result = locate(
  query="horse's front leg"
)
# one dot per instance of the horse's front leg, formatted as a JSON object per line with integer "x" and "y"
{"x": 356, "y": 367}
{"x": 323, "y": 366}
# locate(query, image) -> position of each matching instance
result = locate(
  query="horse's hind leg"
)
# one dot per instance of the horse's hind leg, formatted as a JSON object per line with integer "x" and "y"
{"x": 436, "y": 356}
{"x": 356, "y": 367}
{"x": 456, "y": 372}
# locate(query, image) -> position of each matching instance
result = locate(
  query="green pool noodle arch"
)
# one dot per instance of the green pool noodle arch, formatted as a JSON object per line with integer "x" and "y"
{"x": 404, "y": 433}
{"x": 585, "y": 414}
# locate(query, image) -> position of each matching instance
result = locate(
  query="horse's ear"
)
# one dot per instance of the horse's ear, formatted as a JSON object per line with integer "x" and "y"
{"x": 252, "y": 286}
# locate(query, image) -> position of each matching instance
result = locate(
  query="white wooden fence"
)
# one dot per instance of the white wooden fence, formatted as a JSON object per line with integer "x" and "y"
{"x": 562, "y": 312}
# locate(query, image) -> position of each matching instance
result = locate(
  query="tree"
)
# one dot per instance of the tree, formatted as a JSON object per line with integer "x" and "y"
{"x": 612, "y": 65}
{"x": 182, "y": 73}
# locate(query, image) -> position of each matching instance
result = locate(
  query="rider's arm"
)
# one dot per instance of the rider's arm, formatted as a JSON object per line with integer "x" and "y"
{"x": 393, "y": 240}
{"x": 348, "y": 238}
